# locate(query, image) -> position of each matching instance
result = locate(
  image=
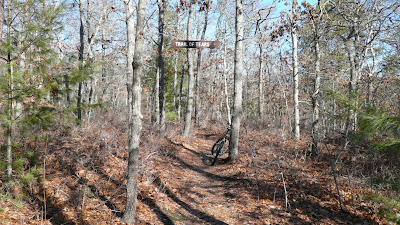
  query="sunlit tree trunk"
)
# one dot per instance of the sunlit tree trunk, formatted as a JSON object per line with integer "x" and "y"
{"x": 130, "y": 28}
{"x": 103, "y": 60}
{"x": 260, "y": 85}
{"x": 135, "y": 124}
{"x": 176, "y": 67}
{"x": 371, "y": 71}
{"x": 224, "y": 76}
{"x": 189, "y": 109}
{"x": 238, "y": 80}
{"x": 92, "y": 32}
{"x": 352, "y": 121}
{"x": 295, "y": 73}
{"x": 316, "y": 95}
{"x": 197, "y": 102}
{"x": 196, "y": 78}
{"x": 157, "y": 97}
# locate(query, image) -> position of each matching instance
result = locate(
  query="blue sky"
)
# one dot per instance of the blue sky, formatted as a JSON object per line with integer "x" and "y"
{"x": 281, "y": 4}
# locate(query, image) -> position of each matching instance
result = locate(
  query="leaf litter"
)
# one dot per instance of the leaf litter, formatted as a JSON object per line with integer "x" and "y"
{"x": 272, "y": 182}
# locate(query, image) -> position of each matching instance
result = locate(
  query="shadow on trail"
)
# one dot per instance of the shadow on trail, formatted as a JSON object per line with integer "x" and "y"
{"x": 160, "y": 214}
{"x": 207, "y": 160}
{"x": 201, "y": 215}
{"x": 204, "y": 158}
{"x": 164, "y": 218}
{"x": 53, "y": 213}
{"x": 273, "y": 190}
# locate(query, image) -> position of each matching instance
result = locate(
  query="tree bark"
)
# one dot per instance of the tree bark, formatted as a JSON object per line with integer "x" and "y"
{"x": 371, "y": 71}
{"x": 176, "y": 66}
{"x": 197, "y": 102}
{"x": 224, "y": 72}
{"x": 103, "y": 58}
{"x": 316, "y": 95}
{"x": 295, "y": 74}
{"x": 91, "y": 37}
{"x": 260, "y": 85}
{"x": 238, "y": 79}
{"x": 10, "y": 115}
{"x": 130, "y": 28}
{"x": 180, "y": 93}
{"x": 161, "y": 9}
{"x": 81, "y": 50}
{"x": 189, "y": 109}
{"x": 351, "y": 120}
{"x": 135, "y": 124}
{"x": 157, "y": 97}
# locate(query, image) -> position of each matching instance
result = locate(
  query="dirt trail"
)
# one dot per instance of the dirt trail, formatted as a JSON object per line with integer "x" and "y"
{"x": 273, "y": 182}
{"x": 205, "y": 196}
{"x": 237, "y": 194}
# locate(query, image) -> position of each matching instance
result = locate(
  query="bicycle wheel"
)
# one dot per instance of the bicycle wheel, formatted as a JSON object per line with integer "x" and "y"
{"x": 219, "y": 149}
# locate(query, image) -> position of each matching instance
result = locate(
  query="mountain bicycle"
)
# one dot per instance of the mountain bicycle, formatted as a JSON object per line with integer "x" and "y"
{"x": 218, "y": 147}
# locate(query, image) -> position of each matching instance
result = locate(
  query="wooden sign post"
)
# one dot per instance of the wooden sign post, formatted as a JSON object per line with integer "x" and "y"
{"x": 195, "y": 44}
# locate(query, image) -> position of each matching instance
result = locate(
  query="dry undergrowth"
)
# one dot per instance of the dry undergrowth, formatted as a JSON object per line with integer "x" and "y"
{"x": 273, "y": 182}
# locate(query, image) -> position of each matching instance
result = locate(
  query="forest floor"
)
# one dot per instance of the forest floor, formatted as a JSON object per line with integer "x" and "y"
{"x": 272, "y": 182}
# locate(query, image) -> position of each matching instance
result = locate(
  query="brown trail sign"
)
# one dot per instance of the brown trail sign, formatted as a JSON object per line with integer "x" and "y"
{"x": 195, "y": 44}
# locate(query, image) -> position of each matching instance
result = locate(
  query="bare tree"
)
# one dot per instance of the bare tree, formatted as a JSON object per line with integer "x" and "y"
{"x": 295, "y": 65}
{"x": 161, "y": 11}
{"x": 358, "y": 25}
{"x": 176, "y": 54}
{"x": 371, "y": 71}
{"x": 315, "y": 98}
{"x": 238, "y": 90}
{"x": 130, "y": 35}
{"x": 81, "y": 60}
{"x": 135, "y": 124}
{"x": 203, "y": 33}
{"x": 189, "y": 108}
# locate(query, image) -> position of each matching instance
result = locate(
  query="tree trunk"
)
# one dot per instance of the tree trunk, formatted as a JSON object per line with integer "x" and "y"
{"x": 81, "y": 50}
{"x": 176, "y": 66}
{"x": 130, "y": 28}
{"x": 197, "y": 102}
{"x": 135, "y": 124}
{"x": 10, "y": 115}
{"x": 189, "y": 109}
{"x": 89, "y": 62}
{"x": 91, "y": 37}
{"x": 295, "y": 74}
{"x": 180, "y": 93}
{"x": 260, "y": 85}
{"x": 196, "y": 78}
{"x": 175, "y": 79}
{"x": 228, "y": 108}
{"x": 161, "y": 9}
{"x": 103, "y": 60}
{"x": 351, "y": 120}
{"x": 238, "y": 79}
{"x": 315, "y": 96}
{"x": 157, "y": 97}
{"x": 371, "y": 71}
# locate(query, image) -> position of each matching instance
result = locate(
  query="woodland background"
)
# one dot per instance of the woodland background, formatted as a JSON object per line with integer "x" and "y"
{"x": 320, "y": 111}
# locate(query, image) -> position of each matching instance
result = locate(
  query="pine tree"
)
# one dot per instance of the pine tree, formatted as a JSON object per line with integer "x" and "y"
{"x": 27, "y": 81}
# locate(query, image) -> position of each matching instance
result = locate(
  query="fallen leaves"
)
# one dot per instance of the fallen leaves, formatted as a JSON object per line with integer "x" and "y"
{"x": 86, "y": 182}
